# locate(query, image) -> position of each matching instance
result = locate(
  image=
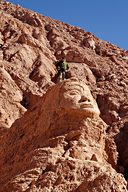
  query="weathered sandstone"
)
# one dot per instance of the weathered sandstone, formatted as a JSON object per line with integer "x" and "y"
{"x": 60, "y": 136}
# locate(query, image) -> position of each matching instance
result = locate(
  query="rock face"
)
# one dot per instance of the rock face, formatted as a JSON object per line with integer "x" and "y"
{"x": 58, "y": 145}
{"x": 10, "y": 99}
{"x": 60, "y": 136}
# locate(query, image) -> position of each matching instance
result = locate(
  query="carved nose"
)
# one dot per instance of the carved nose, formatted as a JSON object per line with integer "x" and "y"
{"x": 84, "y": 99}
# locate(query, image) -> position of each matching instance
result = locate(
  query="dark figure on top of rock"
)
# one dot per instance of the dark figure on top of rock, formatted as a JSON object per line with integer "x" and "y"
{"x": 62, "y": 68}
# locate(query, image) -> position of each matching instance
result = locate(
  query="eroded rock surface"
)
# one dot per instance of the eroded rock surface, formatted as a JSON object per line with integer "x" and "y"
{"x": 64, "y": 149}
{"x": 66, "y": 136}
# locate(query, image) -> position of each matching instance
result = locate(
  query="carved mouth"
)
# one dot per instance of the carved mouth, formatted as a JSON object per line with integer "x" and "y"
{"x": 85, "y": 105}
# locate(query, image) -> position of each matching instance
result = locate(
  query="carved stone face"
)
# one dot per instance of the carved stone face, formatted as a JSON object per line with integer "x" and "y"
{"x": 77, "y": 96}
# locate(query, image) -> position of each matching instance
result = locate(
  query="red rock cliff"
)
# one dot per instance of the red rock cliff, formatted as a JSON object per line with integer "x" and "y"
{"x": 60, "y": 136}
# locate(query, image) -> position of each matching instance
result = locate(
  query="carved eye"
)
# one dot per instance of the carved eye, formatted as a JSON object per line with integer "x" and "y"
{"x": 74, "y": 93}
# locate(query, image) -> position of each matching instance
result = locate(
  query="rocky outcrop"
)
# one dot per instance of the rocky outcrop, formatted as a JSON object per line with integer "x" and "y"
{"x": 10, "y": 99}
{"x": 63, "y": 150}
{"x": 60, "y": 136}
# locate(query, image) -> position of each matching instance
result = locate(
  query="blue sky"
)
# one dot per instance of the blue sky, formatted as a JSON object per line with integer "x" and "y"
{"x": 107, "y": 19}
